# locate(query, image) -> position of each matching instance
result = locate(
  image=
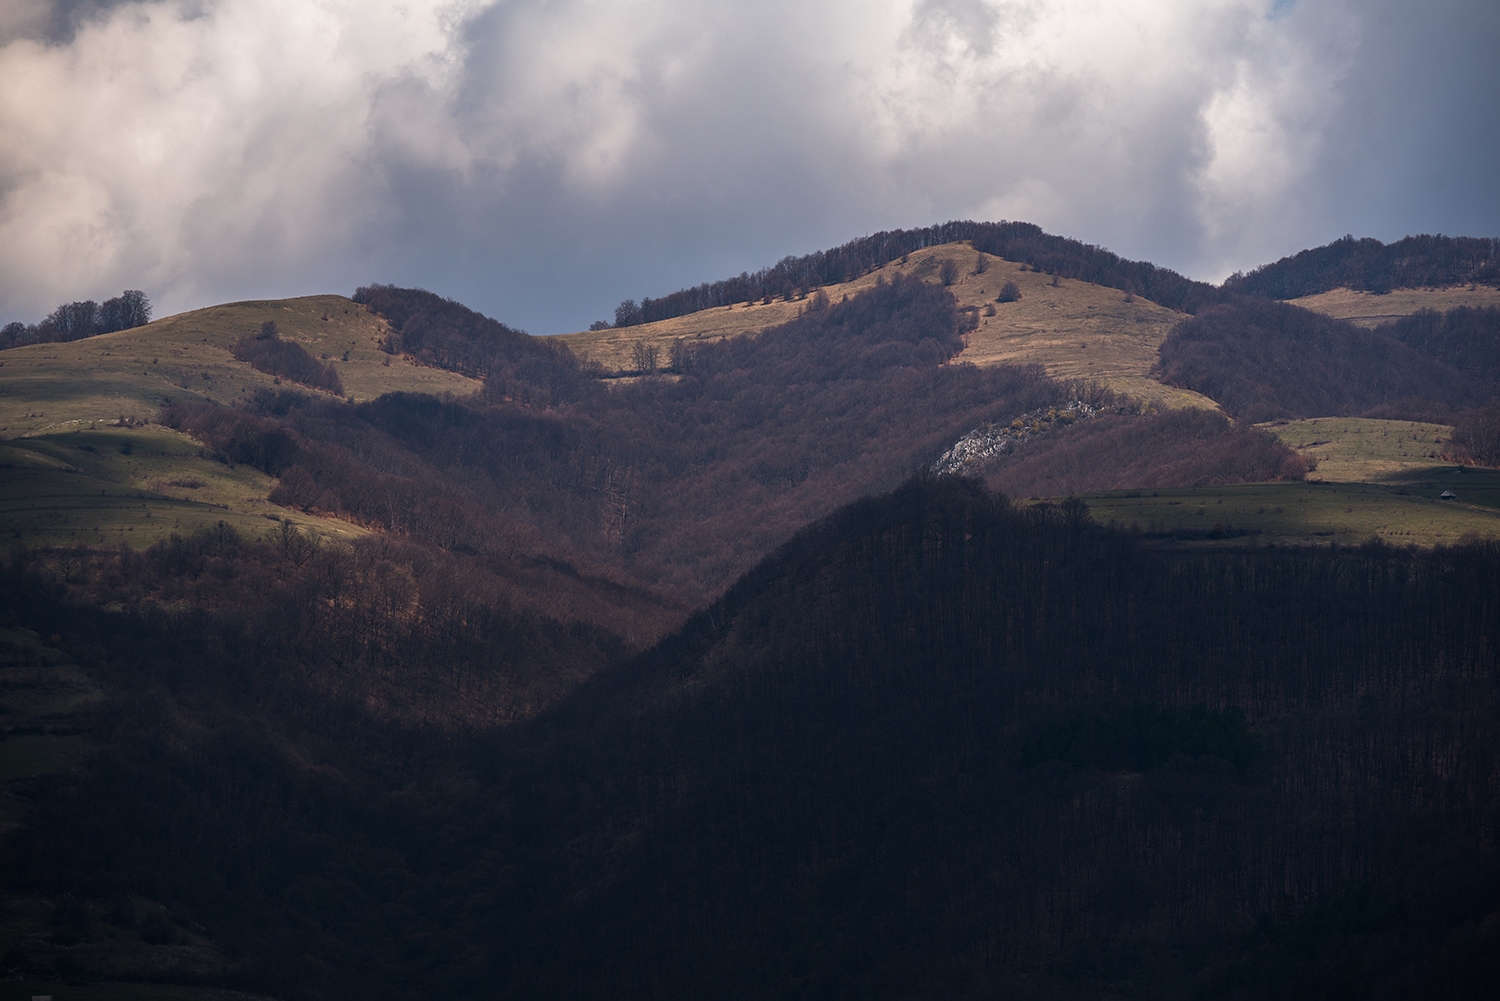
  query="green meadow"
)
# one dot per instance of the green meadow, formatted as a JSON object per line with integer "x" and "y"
{"x": 1407, "y": 513}
{"x": 102, "y": 486}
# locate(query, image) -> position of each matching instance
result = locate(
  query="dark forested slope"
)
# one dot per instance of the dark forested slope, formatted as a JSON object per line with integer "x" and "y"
{"x": 1263, "y": 360}
{"x": 934, "y": 746}
{"x": 1171, "y": 449}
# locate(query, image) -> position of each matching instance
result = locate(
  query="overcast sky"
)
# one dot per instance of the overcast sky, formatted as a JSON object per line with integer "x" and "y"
{"x": 540, "y": 160}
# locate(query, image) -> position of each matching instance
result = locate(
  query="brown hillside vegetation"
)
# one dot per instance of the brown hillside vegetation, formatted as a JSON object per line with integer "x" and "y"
{"x": 1074, "y": 329}
{"x": 1174, "y": 449}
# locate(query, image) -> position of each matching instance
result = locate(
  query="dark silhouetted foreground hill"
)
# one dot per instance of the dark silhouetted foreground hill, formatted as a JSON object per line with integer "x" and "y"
{"x": 933, "y": 746}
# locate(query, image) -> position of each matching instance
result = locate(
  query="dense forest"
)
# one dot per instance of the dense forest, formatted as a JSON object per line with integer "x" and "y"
{"x": 446, "y": 334}
{"x": 1263, "y": 360}
{"x": 1014, "y": 241}
{"x": 1371, "y": 266}
{"x": 74, "y": 321}
{"x": 934, "y": 746}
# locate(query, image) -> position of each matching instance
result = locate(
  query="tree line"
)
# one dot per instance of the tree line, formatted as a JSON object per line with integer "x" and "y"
{"x": 1015, "y": 241}
{"x": 74, "y": 321}
{"x": 1367, "y": 264}
{"x": 446, "y": 334}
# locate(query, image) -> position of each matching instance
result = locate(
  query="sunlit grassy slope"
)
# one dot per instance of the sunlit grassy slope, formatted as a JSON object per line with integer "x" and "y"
{"x": 1407, "y": 512}
{"x": 1374, "y": 479}
{"x": 68, "y": 478}
{"x": 1355, "y": 450}
{"x": 1369, "y": 310}
{"x": 55, "y": 386}
{"x": 1075, "y": 329}
{"x": 105, "y": 486}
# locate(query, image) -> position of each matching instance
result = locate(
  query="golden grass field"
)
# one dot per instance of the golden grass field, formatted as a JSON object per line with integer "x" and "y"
{"x": 1370, "y": 310}
{"x": 46, "y": 387}
{"x": 65, "y": 475}
{"x": 1075, "y": 329}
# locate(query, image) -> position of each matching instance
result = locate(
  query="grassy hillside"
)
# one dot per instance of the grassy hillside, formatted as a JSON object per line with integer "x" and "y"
{"x": 73, "y": 479}
{"x": 1370, "y": 310}
{"x": 1356, "y": 450}
{"x": 103, "y": 486}
{"x": 1373, "y": 479}
{"x": 50, "y": 387}
{"x": 1406, "y": 512}
{"x": 1074, "y": 329}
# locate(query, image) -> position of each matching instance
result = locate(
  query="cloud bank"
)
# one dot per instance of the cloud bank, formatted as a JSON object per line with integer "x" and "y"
{"x": 542, "y": 160}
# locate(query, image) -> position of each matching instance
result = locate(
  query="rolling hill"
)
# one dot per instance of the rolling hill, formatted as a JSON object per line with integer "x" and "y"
{"x": 522, "y": 671}
{"x": 1074, "y": 329}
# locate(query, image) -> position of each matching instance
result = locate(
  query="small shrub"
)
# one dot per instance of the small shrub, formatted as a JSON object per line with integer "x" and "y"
{"x": 1010, "y": 292}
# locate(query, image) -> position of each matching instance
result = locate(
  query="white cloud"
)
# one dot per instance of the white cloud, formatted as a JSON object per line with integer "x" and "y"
{"x": 514, "y": 153}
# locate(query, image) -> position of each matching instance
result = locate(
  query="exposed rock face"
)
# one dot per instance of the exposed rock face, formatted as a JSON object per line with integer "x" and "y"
{"x": 971, "y": 452}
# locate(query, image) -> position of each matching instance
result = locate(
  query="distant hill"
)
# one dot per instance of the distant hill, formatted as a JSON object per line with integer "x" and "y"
{"x": 1073, "y": 328}
{"x": 1371, "y": 266}
{"x": 1369, "y": 309}
{"x": 189, "y": 356}
{"x": 1022, "y": 242}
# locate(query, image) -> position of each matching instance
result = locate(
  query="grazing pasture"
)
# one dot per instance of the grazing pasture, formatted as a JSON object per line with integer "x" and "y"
{"x": 106, "y": 486}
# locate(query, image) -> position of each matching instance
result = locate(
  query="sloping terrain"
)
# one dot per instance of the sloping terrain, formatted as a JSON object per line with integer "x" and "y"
{"x": 187, "y": 357}
{"x": 102, "y": 486}
{"x": 935, "y": 746}
{"x": 1370, "y": 309}
{"x": 1356, "y": 450}
{"x": 86, "y": 465}
{"x": 919, "y": 741}
{"x": 1074, "y": 329}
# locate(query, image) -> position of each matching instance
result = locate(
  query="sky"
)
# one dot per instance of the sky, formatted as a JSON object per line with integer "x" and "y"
{"x": 541, "y": 160}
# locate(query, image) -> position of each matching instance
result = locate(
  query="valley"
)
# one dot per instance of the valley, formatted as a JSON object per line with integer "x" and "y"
{"x": 657, "y": 660}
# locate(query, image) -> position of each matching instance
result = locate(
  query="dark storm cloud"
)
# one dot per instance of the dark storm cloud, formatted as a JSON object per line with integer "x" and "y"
{"x": 541, "y": 161}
